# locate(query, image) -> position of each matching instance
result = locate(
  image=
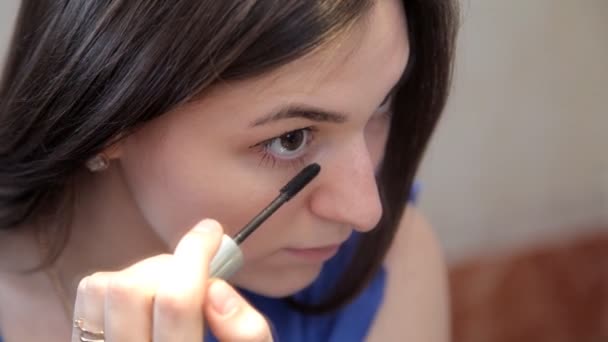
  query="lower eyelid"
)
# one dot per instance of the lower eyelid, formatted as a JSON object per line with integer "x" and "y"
{"x": 266, "y": 157}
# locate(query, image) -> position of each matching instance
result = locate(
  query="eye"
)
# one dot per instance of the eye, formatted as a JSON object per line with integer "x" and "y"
{"x": 289, "y": 149}
{"x": 290, "y": 145}
{"x": 386, "y": 107}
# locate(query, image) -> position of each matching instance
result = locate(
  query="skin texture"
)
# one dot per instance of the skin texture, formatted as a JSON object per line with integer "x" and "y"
{"x": 205, "y": 160}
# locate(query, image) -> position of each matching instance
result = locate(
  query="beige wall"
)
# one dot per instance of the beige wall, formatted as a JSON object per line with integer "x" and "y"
{"x": 8, "y": 12}
{"x": 522, "y": 152}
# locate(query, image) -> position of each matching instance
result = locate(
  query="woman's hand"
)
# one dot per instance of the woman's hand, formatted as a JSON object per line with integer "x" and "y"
{"x": 168, "y": 298}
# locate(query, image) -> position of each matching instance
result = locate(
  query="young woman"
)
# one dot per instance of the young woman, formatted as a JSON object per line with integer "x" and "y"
{"x": 125, "y": 124}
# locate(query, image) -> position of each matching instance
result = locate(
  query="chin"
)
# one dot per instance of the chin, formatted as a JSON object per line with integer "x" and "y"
{"x": 277, "y": 283}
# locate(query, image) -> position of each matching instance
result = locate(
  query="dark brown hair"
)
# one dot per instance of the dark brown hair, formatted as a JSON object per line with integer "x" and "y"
{"x": 82, "y": 73}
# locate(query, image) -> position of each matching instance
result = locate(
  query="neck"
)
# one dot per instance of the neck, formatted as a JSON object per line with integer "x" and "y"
{"x": 107, "y": 234}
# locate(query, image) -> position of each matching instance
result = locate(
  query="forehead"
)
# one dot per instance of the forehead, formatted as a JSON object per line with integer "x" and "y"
{"x": 375, "y": 48}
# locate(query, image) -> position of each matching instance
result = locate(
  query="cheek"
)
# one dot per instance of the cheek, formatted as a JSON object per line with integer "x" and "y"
{"x": 167, "y": 196}
{"x": 174, "y": 186}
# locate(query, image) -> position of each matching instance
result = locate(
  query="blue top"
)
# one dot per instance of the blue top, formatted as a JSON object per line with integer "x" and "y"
{"x": 351, "y": 323}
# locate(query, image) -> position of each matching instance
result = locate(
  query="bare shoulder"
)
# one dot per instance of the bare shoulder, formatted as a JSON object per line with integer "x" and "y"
{"x": 415, "y": 306}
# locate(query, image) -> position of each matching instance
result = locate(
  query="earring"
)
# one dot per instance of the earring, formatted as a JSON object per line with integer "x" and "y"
{"x": 98, "y": 163}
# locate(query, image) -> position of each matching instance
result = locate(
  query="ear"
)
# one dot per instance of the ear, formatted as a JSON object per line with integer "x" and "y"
{"x": 115, "y": 148}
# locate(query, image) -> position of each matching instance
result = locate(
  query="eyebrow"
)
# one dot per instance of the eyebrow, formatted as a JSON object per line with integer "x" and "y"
{"x": 311, "y": 113}
{"x": 303, "y": 112}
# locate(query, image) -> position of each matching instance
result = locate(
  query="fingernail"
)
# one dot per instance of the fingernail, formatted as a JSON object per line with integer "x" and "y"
{"x": 223, "y": 299}
{"x": 207, "y": 226}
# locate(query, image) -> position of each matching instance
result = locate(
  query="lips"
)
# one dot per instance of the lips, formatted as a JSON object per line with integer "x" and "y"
{"x": 314, "y": 254}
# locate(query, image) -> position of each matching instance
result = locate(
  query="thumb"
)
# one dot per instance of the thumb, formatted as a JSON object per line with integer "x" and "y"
{"x": 231, "y": 317}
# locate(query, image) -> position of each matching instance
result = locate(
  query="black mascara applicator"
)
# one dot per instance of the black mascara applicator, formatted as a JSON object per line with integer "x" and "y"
{"x": 229, "y": 257}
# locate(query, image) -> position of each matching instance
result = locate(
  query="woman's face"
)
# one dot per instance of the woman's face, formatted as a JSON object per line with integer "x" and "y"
{"x": 226, "y": 155}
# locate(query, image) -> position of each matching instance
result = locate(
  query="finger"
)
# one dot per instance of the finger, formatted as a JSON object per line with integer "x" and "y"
{"x": 90, "y": 307}
{"x": 129, "y": 300}
{"x": 178, "y": 302}
{"x": 231, "y": 317}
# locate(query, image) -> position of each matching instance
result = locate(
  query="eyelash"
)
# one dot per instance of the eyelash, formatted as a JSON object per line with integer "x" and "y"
{"x": 268, "y": 159}
{"x": 387, "y": 108}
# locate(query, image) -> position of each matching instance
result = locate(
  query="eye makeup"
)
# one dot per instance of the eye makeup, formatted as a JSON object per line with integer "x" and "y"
{"x": 289, "y": 149}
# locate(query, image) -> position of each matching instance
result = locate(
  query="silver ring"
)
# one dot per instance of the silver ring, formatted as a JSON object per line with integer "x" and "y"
{"x": 88, "y": 335}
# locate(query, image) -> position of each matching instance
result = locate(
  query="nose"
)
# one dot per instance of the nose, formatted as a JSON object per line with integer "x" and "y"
{"x": 347, "y": 192}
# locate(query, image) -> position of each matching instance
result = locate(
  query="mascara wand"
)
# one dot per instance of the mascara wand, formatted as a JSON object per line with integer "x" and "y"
{"x": 229, "y": 257}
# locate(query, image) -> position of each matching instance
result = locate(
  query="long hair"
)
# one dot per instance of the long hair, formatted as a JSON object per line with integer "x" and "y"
{"x": 83, "y": 73}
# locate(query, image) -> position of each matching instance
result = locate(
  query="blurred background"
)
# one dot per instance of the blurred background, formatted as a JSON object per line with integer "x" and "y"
{"x": 516, "y": 179}
{"x": 522, "y": 151}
